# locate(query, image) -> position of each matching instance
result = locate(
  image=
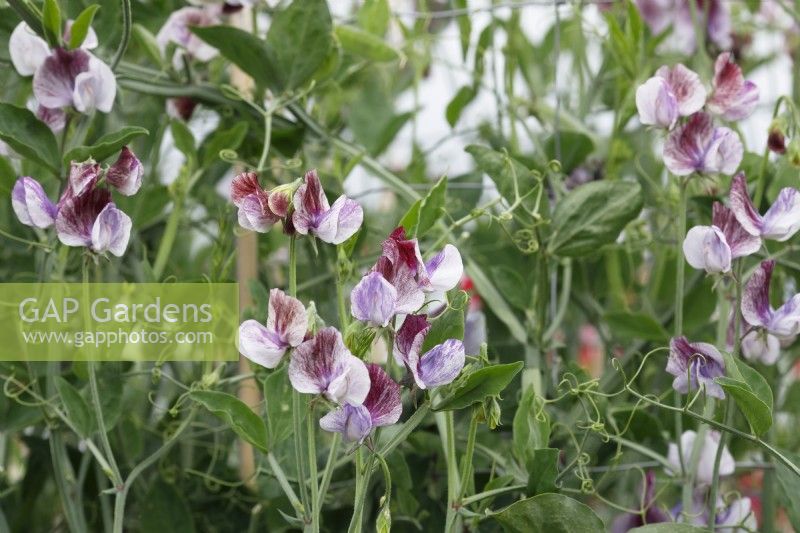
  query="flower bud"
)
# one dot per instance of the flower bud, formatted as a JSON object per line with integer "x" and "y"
{"x": 793, "y": 152}
{"x": 358, "y": 338}
{"x": 126, "y": 173}
{"x": 280, "y": 198}
{"x": 777, "y": 136}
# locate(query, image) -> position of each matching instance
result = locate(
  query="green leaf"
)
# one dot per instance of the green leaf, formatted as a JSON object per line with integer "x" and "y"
{"x": 592, "y": 216}
{"x": 432, "y": 207}
{"x": 789, "y": 484}
{"x": 531, "y": 426}
{"x": 163, "y": 508}
{"x": 8, "y": 176}
{"x": 542, "y": 467}
{"x": 574, "y": 147}
{"x": 449, "y": 325}
{"x": 300, "y": 39}
{"x": 487, "y": 381}
{"x": 365, "y": 44}
{"x": 77, "y": 409}
{"x": 184, "y": 140}
{"x": 148, "y": 42}
{"x": 80, "y": 27}
{"x": 549, "y": 513}
{"x": 29, "y": 137}
{"x": 106, "y": 146}
{"x": 462, "y": 99}
{"x": 235, "y": 414}
{"x": 513, "y": 179}
{"x": 374, "y": 15}
{"x": 51, "y": 22}
{"x": 496, "y": 302}
{"x": 633, "y": 326}
{"x": 410, "y": 220}
{"x": 464, "y": 28}
{"x": 244, "y": 50}
{"x": 757, "y": 383}
{"x": 229, "y": 139}
{"x": 667, "y": 527}
{"x": 278, "y": 400}
{"x": 755, "y": 410}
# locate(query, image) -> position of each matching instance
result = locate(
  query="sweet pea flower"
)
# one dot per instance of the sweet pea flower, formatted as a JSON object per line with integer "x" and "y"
{"x": 323, "y": 365}
{"x": 736, "y": 517}
{"x": 438, "y": 366}
{"x": 373, "y": 300}
{"x": 699, "y": 146}
{"x": 381, "y": 407}
{"x": 672, "y": 92}
{"x": 177, "y": 29}
{"x": 287, "y": 322}
{"x": 733, "y": 97}
{"x": 694, "y": 365}
{"x": 712, "y": 248}
{"x": 31, "y": 204}
{"x": 313, "y": 214}
{"x": 253, "y": 203}
{"x": 779, "y": 223}
{"x": 783, "y": 322}
{"x": 82, "y": 176}
{"x": 661, "y": 14}
{"x": 708, "y": 452}
{"x": 92, "y": 220}
{"x": 126, "y": 173}
{"x": 652, "y": 514}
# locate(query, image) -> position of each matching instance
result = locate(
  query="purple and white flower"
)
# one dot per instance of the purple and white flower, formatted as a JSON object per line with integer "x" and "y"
{"x": 381, "y": 407}
{"x": 438, "y": 366}
{"x": 323, "y": 365}
{"x": 82, "y": 176}
{"x": 736, "y": 517}
{"x": 31, "y": 204}
{"x": 779, "y": 223}
{"x": 287, "y": 323}
{"x": 699, "y": 146}
{"x": 92, "y": 220}
{"x": 695, "y": 365}
{"x": 126, "y": 173}
{"x": 708, "y": 452}
{"x": 661, "y": 14}
{"x": 177, "y": 30}
{"x": 733, "y": 97}
{"x": 373, "y": 300}
{"x": 783, "y": 322}
{"x": 762, "y": 346}
{"x": 253, "y": 203}
{"x": 712, "y": 248}
{"x": 313, "y": 214}
{"x": 671, "y": 93}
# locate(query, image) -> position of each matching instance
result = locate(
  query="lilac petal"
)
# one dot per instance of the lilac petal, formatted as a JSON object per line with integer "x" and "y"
{"x": 31, "y": 204}
{"x": 738, "y": 516}
{"x": 706, "y": 248}
{"x": 758, "y": 345}
{"x": 724, "y": 153}
{"x": 287, "y": 318}
{"x": 444, "y": 270}
{"x": 56, "y": 119}
{"x": 743, "y": 207}
{"x": 474, "y": 331}
{"x": 686, "y": 88}
{"x": 244, "y": 185}
{"x": 401, "y": 251}
{"x": 739, "y": 240}
{"x": 340, "y": 222}
{"x": 785, "y": 321}
{"x": 259, "y": 344}
{"x": 254, "y": 214}
{"x": 77, "y": 215}
{"x": 719, "y": 24}
{"x": 126, "y": 173}
{"x": 373, "y": 300}
{"x": 27, "y": 50}
{"x": 409, "y": 339}
{"x": 352, "y": 421}
{"x": 177, "y": 29}
{"x": 708, "y": 453}
{"x": 95, "y": 89}
{"x": 698, "y": 146}
{"x": 383, "y": 401}
{"x": 733, "y": 97}
{"x": 83, "y": 176}
{"x": 782, "y": 219}
{"x": 755, "y": 299}
{"x": 323, "y": 365}
{"x": 440, "y": 365}
{"x": 410, "y": 296}
{"x": 111, "y": 231}
{"x": 54, "y": 80}
{"x": 310, "y": 204}
{"x": 657, "y": 14}
{"x": 656, "y": 104}
{"x": 695, "y": 365}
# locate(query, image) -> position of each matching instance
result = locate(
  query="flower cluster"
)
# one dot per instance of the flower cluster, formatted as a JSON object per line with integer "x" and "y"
{"x": 302, "y": 207}
{"x": 696, "y": 144}
{"x": 662, "y": 14}
{"x": 62, "y": 78}
{"x": 85, "y": 215}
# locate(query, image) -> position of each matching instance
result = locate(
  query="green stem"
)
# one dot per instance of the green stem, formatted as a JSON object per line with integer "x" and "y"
{"x": 446, "y": 425}
{"x": 168, "y": 239}
{"x": 283, "y": 481}
{"x": 126, "y": 33}
{"x": 293, "y": 266}
{"x": 311, "y": 437}
{"x": 330, "y": 465}
{"x": 116, "y": 476}
{"x": 363, "y": 475}
{"x": 723, "y": 440}
{"x": 344, "y": 319}
{"x": 466, "y": 461}
{"x": 678, "y": 320}
{"x": 262, "y": 162}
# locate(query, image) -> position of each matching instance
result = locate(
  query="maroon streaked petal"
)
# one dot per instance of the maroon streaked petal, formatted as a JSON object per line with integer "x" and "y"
{"x": 686, "y": 146}
{"x": 287, "y": 318}
{"x": 739, "y": 240}
{"x": 782, "y": 219}
{"x": 340, "y": 222}
{"x": 83, "y": 176}
{"x": 383, "y": 400}
{"x": 126, "y": 173}
{"x": 31, "y": 204}
{"x": 441, "y": 364}
{"x": 77, "y": 214}
{"x": 706, "y": 248}
{"x": 755, "y": 298}
{"x": 686, "y": 86}
{"x": 244, "y": 185}
{"x": 54, "y": 80}
{"x": 742, "y": 206}
{"x": 55, "y": 119}
{"x": 409, "y": 338}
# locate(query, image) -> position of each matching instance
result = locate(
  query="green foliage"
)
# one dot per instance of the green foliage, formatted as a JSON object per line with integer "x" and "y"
{"x": 106, "y": 146}
{"x": 81, "y": 26}
{"x": 477, "y": 385}
{"x": 235, "y": 414}
{"x": 29, "y": 137}
{"x": 549, "y": 513}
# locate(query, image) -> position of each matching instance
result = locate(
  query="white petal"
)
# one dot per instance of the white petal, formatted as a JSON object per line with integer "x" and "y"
{"x": 257, "y": 344}
{"x": 27, "y": 50}
{"x": 445, "y": 269}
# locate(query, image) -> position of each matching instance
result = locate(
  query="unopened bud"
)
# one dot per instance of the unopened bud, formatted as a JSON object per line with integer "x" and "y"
{"x": 358, "y": 337}
{"x": 777, "y": 136}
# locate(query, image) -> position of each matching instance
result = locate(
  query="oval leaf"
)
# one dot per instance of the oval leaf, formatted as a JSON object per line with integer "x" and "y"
{"x": 592, "y": 216}
{"x": 365, "y": 44}
{"x": 549, "y": 513}
{"x": 757, "y": 413}
{"x": 76, "y": 407}
{"x": 484, "y": 382}
{"x": 80, "y": 28}
{"x": 29, "y": 136}
{"x": 236, "y": 414}
{"x": 105, "y": 146}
